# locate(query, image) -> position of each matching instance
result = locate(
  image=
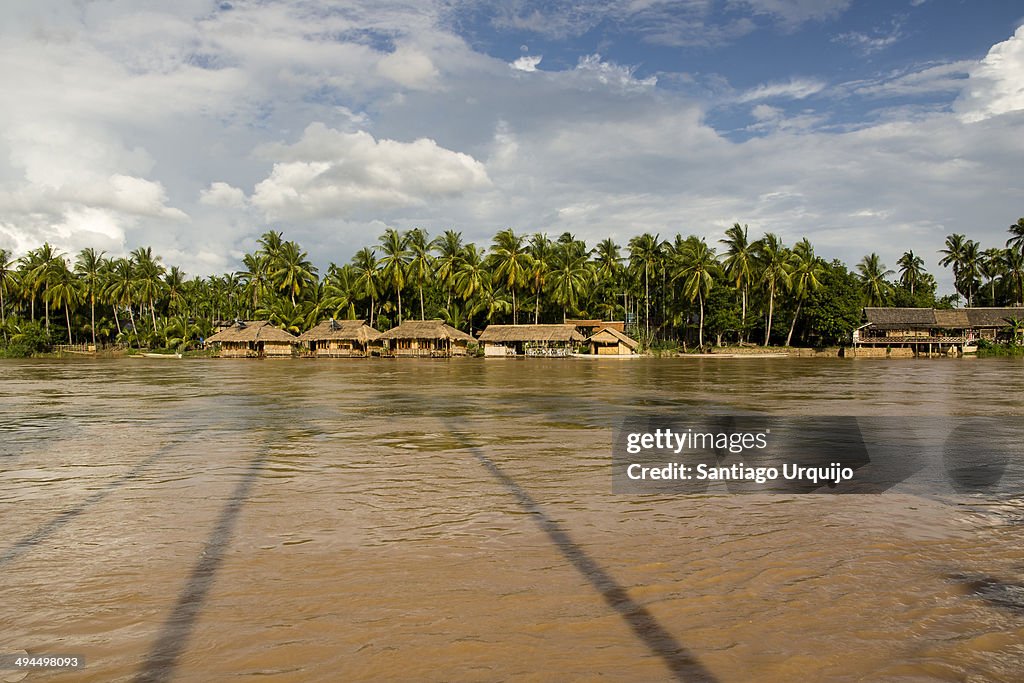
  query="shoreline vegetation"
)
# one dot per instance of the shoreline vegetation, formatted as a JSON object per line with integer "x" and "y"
{"x": 684, "y": 296}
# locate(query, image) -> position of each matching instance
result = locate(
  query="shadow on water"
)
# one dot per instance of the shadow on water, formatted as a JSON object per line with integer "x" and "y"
{"x": 682, "y": 663}
{"x": 46, "y": 530}
{"x": 162, "y": 659}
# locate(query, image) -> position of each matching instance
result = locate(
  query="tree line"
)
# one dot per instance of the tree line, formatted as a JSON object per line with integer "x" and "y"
{"x": 682, "y": 291}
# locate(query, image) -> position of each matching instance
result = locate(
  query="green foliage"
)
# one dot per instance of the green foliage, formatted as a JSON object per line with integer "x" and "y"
{"x": 25, "y": 338}
{"x": 834, "y": 310}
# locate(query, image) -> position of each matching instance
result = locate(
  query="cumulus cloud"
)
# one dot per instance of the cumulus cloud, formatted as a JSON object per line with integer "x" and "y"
{"x": 527, "y": 63}
{"x": 330, "y": 172}
{"x": 996, "y": 86}
{"x": 223, "y": 195}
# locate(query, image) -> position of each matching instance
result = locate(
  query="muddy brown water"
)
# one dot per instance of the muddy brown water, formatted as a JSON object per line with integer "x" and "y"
{"x": 200, "y": 520}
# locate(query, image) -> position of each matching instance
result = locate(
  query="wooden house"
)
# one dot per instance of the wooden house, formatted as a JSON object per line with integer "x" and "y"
{"x": 531, "y": 340}
{"x": 611, "y": 342}
{"x": 426, "y": 339}
{"x": 930, "y": 331}
{"x": 341, "y": 339}
{"x": 252, "y": 339}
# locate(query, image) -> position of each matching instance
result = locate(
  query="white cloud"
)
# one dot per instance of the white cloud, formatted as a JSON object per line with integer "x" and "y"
{"x": 527, "y": 63}
{"x": 928, "y": 79}
{"x": 115, "y": 133}
{"x": 792, "y": 13}
{"x": 996, "y": 86}
{"x": 876, "y": 41}
{"x": 794, "y": 89}
{"x": 617, "y": 75}
{"x": 222, "y": 195}
{"x": 409, "y": 68}
{"x": 330, "y": 172}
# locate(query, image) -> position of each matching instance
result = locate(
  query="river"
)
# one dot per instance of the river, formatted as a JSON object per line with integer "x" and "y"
{"x": 453, "y": 520}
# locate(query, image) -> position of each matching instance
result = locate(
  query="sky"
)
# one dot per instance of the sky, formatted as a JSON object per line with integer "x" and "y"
{"x": 195, "y": 126}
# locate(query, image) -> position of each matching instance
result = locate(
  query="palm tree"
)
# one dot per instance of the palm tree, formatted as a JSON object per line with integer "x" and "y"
{"x": 992, "y": 267}
{"x": 63, "y": 290}
{"x": 45, "y": 260}
{"x": 807, "y": 273}
{"x": 740, "y": 264}
{"x": 120, "y": 288}
{"x": 1013, "y": 268}
{"x": 1016, "y": 234}
{"x": 772, "y": 259}
{"x": 90, "y": 267}
{"x": 367, "y": 276}
{"x": 449, "y": 253}
{"x": 970, "y": 269}
{"x": 541, "y": 254}
{"x": 420, "y": 262}
{"x": 645, "y": 254}
{"x": 911, "y": 270}
{"x": 271, "y": 242}
{"x": 148, "y": 273}
{"x": 511, "y": 264}
{"x": 696, "y": 266}
{"x": 953, "y": 255}
{"x": 292, "y": 270}
{"x": 394, "y": 263}
{"x": 339, "y": 292}
{"x": 570, "y": 274}
{"x": 174, "y": 283}
{"x": 608, "y": 271}
{"x": 873, "y": 274}
{"x": 471, "y": 277}
{"x": 256, "y": 277}
{"x": 7, "y": 281}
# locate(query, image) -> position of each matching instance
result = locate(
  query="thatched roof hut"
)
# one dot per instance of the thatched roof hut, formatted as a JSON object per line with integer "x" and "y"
{"x": 430, "y": 338}
{"x": 340, "y": 338}
{"x": 993, "y": 317}
{"x": 900, "y": 318}
{"x": 610, "y": 342}
{"x": 513, "y": 333}
{"x": 938, "y": 330}
{"x": 530, "y": 340}
{"x": 252, "y": 339}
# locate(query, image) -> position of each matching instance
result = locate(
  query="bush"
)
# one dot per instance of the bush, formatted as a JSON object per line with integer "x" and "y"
{"x": 29, "y": 338}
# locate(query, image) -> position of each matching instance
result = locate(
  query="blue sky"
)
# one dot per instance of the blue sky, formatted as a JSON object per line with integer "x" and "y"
{"x": 195, "y": 126}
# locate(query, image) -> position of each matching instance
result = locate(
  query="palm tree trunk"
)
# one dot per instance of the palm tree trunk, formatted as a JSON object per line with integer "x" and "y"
{"x": 117, "y": 320}
{"x": 152, "y": 313}
{"x": 536, "y": 308}
{"x": 67, "y": 316}
{"x": 743, "y": 316}
{"x": 771, "y": 310}
{"x": 399, "y": 290}
{"x": 515, "y": 320}
{"x": 422, "y": 314}
{"x": 792, "y": 325}
{"x": 46, "y": 307}
{"x": 92, "y": 319}
{"x": 647, "y": 304}
{"x": 700, "y": 330}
